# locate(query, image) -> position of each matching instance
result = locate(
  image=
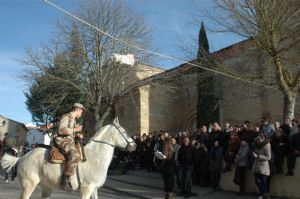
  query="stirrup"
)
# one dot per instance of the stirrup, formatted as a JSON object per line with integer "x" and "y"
{"x": 66, "y": 183}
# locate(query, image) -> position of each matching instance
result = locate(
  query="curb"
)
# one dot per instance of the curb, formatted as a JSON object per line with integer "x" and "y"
{"x": 153, "y": 175}
{"x": 125, "y": 192}
{"x": 136, "y": 184}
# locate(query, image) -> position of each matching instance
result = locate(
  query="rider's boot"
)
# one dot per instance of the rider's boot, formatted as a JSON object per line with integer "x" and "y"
{"x": 65, "y": 183}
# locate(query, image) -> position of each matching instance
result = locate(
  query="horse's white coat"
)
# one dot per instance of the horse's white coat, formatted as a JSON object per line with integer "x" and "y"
{"x": 33, "y": 168}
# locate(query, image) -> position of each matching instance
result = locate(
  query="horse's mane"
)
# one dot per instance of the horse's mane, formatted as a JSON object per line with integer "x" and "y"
{"x": 100, "y": 133}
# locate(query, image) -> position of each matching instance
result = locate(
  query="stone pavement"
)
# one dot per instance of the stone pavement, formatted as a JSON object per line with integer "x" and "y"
{"x": 133, "y": 184}
{"x": 142, "y": 184}
{"x": 13, "y": 191}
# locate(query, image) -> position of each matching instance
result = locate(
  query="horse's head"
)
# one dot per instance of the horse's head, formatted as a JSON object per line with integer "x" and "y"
{"x": 121, "y": 137}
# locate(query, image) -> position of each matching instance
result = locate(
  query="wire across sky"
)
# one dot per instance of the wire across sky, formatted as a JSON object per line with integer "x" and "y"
{"x": 156, "y": 53}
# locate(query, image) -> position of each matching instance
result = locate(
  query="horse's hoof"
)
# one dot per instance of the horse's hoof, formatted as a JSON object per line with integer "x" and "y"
{"x": 67, "y": 188}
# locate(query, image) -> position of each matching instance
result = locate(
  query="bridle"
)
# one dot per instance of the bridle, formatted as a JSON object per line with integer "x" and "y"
{"x": 103, "y": 142}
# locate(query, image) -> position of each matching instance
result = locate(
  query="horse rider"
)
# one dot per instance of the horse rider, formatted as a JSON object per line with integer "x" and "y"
{"x": 68, "y": 130}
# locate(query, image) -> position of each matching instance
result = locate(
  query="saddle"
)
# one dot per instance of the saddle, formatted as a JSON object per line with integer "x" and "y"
{"x": 56, "y": 157}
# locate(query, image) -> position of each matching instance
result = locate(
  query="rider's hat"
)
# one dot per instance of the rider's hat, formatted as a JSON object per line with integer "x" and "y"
{"x": 78, "y": 105}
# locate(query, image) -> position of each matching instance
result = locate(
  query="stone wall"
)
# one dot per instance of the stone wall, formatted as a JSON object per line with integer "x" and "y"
{"x": 13, "y": 128}
{"x": 253, "y": 109}
{"x": 242, "y": 100}
{"x": 172, "y": 105}
{"x": 281, "y": 185}
{"x": 128, "y": 111}
{"x": 133, "y": 109}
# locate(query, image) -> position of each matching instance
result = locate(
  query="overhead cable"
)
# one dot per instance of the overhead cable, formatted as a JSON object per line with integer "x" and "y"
{"x": 159, "y": 54}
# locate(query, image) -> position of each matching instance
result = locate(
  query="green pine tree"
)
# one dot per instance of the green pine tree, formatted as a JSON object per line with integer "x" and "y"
{"x": 206, "y": 103}
{"x": 49, "y": 97}
{"x": 203, "y": 43}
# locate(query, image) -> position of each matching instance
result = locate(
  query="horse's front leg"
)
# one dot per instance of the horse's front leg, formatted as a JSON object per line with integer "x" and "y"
{"x": 86, "y": 192}
{"x": 95, "y": 194}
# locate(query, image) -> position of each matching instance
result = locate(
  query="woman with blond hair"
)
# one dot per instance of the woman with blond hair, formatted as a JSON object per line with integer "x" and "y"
{"x": 168, "y": 167}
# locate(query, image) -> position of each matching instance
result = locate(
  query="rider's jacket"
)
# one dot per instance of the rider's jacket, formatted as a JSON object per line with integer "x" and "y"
{"x": 66, "y": 127}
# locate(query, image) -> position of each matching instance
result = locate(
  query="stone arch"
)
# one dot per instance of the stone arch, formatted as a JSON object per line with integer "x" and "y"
{"x": 190, "y": 121}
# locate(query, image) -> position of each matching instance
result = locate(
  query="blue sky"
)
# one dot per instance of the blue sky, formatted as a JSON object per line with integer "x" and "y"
{"x": 30, "y": 22}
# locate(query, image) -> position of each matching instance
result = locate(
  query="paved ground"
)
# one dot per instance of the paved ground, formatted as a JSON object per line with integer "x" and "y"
{"x": 149, "y": 185}
{"x": 134, "y": 184}
{"x": 12, "y": 191}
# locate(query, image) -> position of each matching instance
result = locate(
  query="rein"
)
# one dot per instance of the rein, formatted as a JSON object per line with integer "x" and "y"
{"x": 123, "y": 135}
{"x": 102, "y": 142}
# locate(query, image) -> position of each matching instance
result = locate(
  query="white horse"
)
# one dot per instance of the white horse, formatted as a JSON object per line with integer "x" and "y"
{"x": 34, "y": 168}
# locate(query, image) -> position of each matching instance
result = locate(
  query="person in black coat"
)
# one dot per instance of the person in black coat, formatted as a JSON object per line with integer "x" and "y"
{"x": 176, "y": 148}
{"x": 247, "y": 133}
{"x": 294, "y": 152}
{"x": 186, "y": 158}
{"x": 197, "y": 163}
{"x": 279, "y": 145}
{"x": 202, "y": 136}
{"x": 149, "y": 155}
{"x": 201, "y": 165}
{"x": 168, "y": 168}
{"x": 216, "y": 135}
{"x": 159, "y": 147}
{"x": 287, "y": 127}
{"x": 215, "y": 164}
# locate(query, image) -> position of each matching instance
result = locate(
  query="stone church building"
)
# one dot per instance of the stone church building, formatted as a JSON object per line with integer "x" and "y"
{"x": 167, "y": 99}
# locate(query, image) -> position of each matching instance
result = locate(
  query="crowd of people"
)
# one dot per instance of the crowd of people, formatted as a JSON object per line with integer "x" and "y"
{"x": 201, "y": 156}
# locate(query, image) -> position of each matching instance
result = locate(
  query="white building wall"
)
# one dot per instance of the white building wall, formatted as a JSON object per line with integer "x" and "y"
{"x": 35, "y": 136}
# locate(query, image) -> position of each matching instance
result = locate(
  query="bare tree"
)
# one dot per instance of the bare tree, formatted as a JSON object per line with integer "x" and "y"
{"x": 274, "y": 29}
{"x": 101, "y": 81}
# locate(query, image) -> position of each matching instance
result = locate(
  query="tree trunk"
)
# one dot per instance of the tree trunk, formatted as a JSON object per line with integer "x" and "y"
{"x": 97, "y": 118}
{"x": 99, "y": 123}
{"x": 104, "y": 116}
{"x": 289, "y": 106}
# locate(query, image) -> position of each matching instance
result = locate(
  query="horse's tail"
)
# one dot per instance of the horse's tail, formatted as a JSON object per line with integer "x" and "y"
{"x": 8, "y": 162}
